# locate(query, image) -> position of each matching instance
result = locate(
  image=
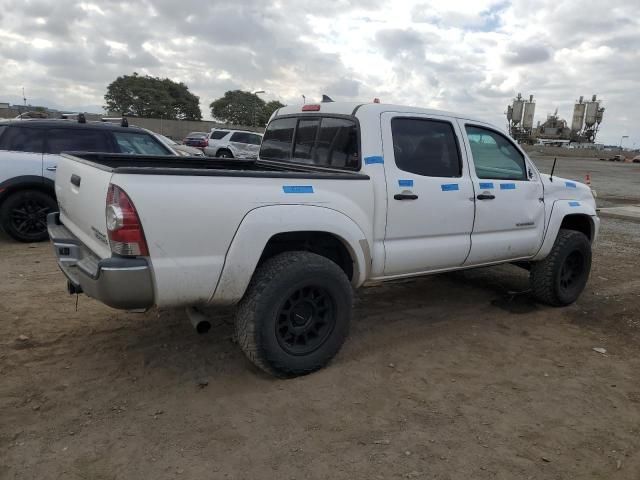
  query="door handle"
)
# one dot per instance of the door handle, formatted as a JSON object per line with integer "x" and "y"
{"x": 405, "y": 196}
{"x": 485, "y": 196}
{"x": 75, "y": 179}
{"x": 52, "y": 169}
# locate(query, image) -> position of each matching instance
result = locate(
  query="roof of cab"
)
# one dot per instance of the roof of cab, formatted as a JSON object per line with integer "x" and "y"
{"x": 350, "y": 108}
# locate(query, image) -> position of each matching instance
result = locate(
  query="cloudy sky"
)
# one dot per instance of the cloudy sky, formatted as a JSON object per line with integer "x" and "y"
{"x": 462, "y": 55}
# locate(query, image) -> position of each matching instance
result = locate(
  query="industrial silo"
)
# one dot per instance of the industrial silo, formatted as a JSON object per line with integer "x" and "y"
{"x": 529, "y": 111}
{"x": 578, "y": 115}
{"x": 591, "y": 118}
{"x": 518, "y": 108}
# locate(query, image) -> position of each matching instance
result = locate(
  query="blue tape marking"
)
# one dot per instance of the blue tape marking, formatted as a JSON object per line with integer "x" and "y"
{"x": 447, "y": 187}
{"x": 486, "y": 185}
{"x": 374, "y": 159}
{"x": 297, "y": 189}
{"x": 570, "y": 185}
{"x": 405, "y": 183}
{"x": 507, "y": 186}
{"x": 574, "y": 204}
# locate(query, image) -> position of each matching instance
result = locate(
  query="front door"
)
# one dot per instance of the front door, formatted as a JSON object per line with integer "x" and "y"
{"x": 429, "y": 194}
{"x": 509, "y": 222}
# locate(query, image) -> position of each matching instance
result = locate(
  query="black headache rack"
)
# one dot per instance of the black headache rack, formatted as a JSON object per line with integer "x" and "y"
{"x": 199, "y": 166}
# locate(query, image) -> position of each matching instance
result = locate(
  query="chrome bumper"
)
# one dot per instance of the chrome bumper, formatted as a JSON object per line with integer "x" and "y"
{"x": 124, "y": 283}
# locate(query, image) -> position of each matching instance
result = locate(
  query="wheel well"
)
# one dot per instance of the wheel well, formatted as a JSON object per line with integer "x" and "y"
{"x": 579, "y": 223}
{"x": 20, "y": 187}
{"x": 321, "y": 243}
{"x": 223, "y": 149}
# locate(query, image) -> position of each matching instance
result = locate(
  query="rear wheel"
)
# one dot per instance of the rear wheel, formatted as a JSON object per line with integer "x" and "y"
{"x": 559, "y": 279}
{"x": 224, "y": 154}
{"x": 295, "y": 314}
{"x": 23, "y": 215}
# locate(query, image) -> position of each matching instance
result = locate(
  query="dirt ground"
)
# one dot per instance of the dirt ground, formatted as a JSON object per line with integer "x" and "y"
{"x": 457, "y": 376}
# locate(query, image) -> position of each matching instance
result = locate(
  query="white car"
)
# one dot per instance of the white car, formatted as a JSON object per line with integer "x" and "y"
{"x": 233, "y": 144}
{"x": 342, "y": 195}
{"x": 29, "y": 154}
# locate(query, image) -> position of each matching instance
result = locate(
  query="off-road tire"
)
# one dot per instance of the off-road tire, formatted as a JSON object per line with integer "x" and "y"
{"x": 31, "y": 203}
{"x": 260, "y": 312}
{"x": 546, "y": 275}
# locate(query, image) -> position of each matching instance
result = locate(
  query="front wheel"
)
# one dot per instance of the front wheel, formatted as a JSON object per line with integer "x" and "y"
{"x": 23, "y": 215}
{"x": 224, "y": 154}
{"x": 295, "y": 314}
{"x": 559, "y": 279}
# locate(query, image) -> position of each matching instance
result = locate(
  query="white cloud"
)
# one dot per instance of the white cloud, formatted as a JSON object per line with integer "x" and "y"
{"x": 461, "y": 55}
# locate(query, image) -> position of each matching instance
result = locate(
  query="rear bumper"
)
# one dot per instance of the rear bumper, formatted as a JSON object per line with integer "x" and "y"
{"x": 124, "y": 283}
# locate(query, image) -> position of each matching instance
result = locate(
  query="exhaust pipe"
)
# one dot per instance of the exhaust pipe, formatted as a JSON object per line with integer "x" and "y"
{"x": 199, "y": 321}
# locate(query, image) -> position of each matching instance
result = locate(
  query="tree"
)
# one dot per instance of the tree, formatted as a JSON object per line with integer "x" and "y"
{"x": 243, "y": 108}
{"x": 146, "y": 96}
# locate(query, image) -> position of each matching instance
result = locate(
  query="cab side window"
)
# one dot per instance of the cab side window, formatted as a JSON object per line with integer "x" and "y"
{"x": 494, "y": 156}
{"x": 426, "y": 147}
{"x": 22, "y": 139}
{"x": 77, "y": 139}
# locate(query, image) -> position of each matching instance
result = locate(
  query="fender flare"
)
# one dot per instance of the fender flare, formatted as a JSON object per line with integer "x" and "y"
{"x": 24, "y": 182}
{"x": 262, "y": 223}
{"x": 559, "y": 210}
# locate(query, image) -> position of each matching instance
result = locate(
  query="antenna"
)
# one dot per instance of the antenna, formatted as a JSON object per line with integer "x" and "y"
{"x": 553, "y": 169}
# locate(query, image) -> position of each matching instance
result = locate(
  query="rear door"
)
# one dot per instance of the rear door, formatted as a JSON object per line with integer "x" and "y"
{"x": 430, "y": 195}
{"x": 245, "y": 144}
{"x": 509, "y": 221}
{"x": 77, "y": 139}
{"x": 20, "y": 151}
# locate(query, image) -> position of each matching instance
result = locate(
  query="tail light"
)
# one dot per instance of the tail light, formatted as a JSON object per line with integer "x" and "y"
{"x": 126, "y": 236}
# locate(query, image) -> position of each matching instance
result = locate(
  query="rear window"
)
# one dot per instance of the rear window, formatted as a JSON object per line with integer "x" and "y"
{"x": 22, "y": 139}
{"x": 76, "y": 139}
{"x": 198, "y": 135}
{"x": 139, "y": 144}
{"x": 218, "y": 134}
{"x": 425, "y": 147}
{"x": 245, "y": 137}
{"x": 322, "y": 141}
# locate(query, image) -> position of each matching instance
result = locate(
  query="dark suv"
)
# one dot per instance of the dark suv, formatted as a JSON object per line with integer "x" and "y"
{"x": 29, "y": 153}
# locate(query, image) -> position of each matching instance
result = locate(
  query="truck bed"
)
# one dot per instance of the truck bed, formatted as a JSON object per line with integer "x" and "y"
{"x": 122, "y": 163}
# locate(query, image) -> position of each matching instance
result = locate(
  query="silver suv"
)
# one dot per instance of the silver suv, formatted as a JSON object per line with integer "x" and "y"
{"x": 233, "y": 144}
{"x": 29, "y": 153}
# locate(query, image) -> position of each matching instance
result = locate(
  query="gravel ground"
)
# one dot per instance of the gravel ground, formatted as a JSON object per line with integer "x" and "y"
{"x": 457, "y": 376}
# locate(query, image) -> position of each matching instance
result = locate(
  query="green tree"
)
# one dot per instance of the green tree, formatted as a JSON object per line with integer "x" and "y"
{"x": 243, "y": 108}
{"x": 146, "y": 96}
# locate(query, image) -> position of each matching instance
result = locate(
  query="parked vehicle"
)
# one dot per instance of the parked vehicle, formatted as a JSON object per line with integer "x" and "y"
{"x": 342, "y": 195}
{"x": 233, "y": 144}
{"x": 636, "y": 159}
{"x": 182, "y": 150}
{"x": 197, "y": 139}
{"x": 29, "y": 154}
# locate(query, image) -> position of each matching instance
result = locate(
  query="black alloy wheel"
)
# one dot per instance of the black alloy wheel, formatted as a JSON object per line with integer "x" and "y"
{"x": 24, "y": 215}
{"x": 305, "y": 320}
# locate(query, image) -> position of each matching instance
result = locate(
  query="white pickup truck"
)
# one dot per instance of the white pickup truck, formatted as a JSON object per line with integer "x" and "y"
{"x": 342, "y": 195}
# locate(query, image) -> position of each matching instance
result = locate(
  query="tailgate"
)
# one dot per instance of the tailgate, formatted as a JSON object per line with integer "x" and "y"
{"x": 81, "y": 189}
